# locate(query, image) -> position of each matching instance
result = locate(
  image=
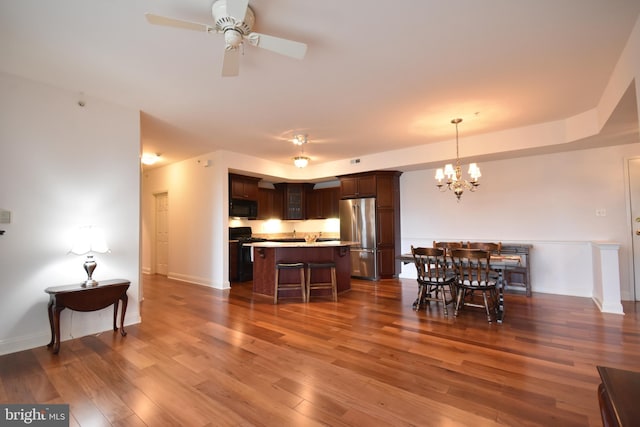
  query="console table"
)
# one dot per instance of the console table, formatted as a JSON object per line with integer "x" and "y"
{"x": 91, "y": 298}
{"x": 520, "y": 276}
{"x": 618, "y": 397}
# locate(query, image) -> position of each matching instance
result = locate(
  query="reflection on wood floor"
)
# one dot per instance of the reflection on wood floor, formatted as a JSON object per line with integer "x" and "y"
{"x": 206, "y": 357}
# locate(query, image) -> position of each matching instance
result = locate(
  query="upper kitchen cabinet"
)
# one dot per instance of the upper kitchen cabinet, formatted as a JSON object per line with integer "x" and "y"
{"x": 294, "y": 199}
{"x": 323, "y": 203}
{"x": 269, "y": 203}
{"x": 357, "y": 185}
{"x": 243, "y": 187}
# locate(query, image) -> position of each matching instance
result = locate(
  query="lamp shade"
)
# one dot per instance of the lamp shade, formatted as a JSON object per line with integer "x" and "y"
{"x": 89, "y": 239}
{"x": 449, "y": 171}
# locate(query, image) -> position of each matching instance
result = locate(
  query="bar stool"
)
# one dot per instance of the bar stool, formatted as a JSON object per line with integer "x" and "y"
{"x": 322, "y": 285}
{"x": 283, "y": 286}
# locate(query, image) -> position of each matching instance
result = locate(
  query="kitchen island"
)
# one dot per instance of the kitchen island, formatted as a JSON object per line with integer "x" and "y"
{"x": 267, "y": 254}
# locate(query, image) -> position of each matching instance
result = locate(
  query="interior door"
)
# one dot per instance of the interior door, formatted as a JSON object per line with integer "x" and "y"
{"x": 634, "y": 191}
{"x": 162, "y": 234}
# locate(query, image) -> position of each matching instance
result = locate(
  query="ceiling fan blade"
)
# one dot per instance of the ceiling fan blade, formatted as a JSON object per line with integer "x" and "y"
{"x": 177, "y": 23}
{"x": 231, "y": 63}
{"x": 285, "y": 47}
{"x": 237, "y": 9}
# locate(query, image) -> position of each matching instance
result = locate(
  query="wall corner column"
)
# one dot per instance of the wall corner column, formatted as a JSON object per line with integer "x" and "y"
{"x": 606, "y": 277}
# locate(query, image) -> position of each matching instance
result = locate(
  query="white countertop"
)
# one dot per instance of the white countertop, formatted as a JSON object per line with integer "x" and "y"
{"x": 330, "y": 243}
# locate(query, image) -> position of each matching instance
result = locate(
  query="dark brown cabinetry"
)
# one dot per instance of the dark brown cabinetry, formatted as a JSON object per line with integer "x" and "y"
{"x": 288, "y": 201}
{"x": 323, "y": 203}
{"x": 352, "y": 187}
{"x": 294, "y": 200}
{"x": 385, "y": 187}
{"x": 243, "y": 187}
{"x": 269, "y": 203}
{"x": 234, "y": 249}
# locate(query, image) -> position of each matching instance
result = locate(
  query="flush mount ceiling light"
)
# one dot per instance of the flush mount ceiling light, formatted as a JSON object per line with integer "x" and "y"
{"x": 149, "y": 158}
{"x": 300, "y": 161}
{"x": 454, "y": 181}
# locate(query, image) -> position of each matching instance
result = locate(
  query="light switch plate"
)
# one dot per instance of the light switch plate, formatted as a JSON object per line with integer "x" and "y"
{"x": 5, "y": 217}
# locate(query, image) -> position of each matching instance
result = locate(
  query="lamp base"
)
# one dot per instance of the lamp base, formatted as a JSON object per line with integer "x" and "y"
{"x": 89, "y": 283}
{"x": 89, "y": 265}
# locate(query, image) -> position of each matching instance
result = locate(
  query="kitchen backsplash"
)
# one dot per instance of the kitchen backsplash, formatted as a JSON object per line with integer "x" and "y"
{"x": 274, "y": 229}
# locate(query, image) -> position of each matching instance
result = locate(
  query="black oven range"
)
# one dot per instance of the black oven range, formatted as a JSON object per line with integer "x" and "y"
{"x": 243, "y": 256}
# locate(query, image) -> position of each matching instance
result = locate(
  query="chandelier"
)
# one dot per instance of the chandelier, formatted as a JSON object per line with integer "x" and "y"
{"x": 300, "y": 161}
{"x": 454, "y": 181}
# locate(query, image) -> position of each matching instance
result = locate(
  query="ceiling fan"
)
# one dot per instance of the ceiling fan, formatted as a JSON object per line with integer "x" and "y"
{"x": 235, "y": 19}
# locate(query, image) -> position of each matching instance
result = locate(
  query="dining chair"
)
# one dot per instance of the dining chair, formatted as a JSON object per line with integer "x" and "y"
{"x": 473, "y": 274}
{"x": 494, "y": 248}
{"x": 434, "y": 278}
{"x": 447, "y": 246}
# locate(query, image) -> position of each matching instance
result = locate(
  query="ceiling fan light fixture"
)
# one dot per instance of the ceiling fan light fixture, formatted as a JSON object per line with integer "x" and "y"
{"x": 299, "y": 139}
{"x": 301, "y": 161}
{"x": 232, "y": 39}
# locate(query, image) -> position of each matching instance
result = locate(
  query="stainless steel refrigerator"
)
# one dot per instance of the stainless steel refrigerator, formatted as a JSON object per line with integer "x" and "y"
{"x": 358, "y": 224}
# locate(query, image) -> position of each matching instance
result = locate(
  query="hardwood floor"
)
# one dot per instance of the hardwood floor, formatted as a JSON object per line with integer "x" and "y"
{"x": 205, "y": 357}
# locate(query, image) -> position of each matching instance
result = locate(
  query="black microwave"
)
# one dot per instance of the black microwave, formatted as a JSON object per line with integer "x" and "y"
{"x": 241, "y": 208}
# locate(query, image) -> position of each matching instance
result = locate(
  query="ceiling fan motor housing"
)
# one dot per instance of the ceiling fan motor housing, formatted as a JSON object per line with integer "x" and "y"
{"x": 225, "y": 22}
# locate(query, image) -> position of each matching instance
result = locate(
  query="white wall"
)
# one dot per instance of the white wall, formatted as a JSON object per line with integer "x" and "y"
{"x": 549, "y": 201}
{"x": 196, "y": 207}
{"x": 63, "y": 166}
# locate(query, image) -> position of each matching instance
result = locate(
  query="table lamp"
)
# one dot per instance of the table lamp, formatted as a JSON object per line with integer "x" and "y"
{"x": 89, "y": 240}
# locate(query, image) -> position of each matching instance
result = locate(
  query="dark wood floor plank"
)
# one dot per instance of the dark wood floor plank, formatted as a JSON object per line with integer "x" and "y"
{"x": 206, "y": 357}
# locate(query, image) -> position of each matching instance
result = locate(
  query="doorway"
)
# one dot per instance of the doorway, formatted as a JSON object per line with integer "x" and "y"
{"x": 162, "y": 234}
{"x": 634, "y": 198}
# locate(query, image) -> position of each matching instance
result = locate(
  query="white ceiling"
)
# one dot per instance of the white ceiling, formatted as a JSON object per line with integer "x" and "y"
{"x": 378, "y": 75}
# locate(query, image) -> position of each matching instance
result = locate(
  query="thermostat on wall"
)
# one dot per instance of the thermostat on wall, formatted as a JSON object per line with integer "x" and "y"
{"x": 5, "y": 217}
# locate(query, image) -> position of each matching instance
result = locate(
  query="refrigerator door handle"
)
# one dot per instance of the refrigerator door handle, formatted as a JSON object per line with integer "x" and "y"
{"x": 356, "y": 215}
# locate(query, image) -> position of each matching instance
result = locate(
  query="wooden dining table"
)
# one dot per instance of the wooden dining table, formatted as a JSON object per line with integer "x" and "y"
{"x": 498, "y": 263}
